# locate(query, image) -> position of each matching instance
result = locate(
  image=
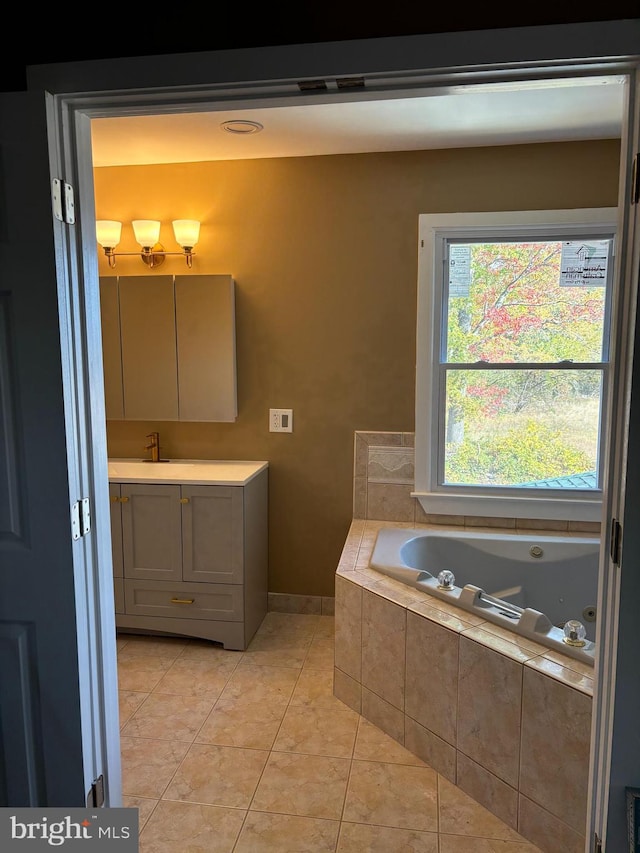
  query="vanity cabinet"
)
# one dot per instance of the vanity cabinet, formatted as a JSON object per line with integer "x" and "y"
{"x": 193, "y": 556}
{"x": 169, "y": 347}
{"x": 116, "y": 547}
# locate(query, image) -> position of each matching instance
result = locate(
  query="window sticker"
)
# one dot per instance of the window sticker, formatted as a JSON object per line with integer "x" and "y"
{"x": 459, "y": 270}
{"x": 584, "y": 263}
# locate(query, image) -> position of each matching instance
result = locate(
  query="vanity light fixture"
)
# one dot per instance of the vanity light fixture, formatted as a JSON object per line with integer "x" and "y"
{"x": 147, "y": 234}
{"x": 187, "y": 233}
{"x": 108, "y": 233}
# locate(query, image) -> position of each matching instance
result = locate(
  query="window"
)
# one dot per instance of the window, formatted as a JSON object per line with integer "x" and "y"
{"x": 513, "y": 362}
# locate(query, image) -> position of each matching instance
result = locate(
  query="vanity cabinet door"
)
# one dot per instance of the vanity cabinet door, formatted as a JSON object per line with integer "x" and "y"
{"x": 151, "y": 531}
{"x": 206, "y": 346}
{"x": 116, "y": 547}
{"x": 148, "y": 333}
{"x": 116, "y": 530}
{"x": 212, "y": 534}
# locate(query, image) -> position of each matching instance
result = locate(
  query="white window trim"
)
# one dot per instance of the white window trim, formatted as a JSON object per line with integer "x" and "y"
{"x": 447, "y": 500}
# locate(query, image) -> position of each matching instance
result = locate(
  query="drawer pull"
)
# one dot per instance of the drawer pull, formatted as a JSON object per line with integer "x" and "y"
{"x": 124, "y": 500}
{"x": 184, "y": 500}
{"x": 182, "y": 600}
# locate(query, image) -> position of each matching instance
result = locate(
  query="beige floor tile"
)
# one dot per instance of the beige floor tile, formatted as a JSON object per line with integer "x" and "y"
{"x": 283, "y": 833}
{"x": 144, "y": 805}
{"x": 218, "y": 775}
{"x": 148, "y": 765}
{"x": 460, "y": 815}
{"x": 362, "y": 838}
{"x": 289, "y": 623}
{"x": 372, "y": 744}
{"x": 182, "y": 827}
{"x": 128, "y": 702}
{"x": 318, "y": 731}
{"x": 189, "y": 677}
{"x": 472, "y": 844}
{"x": 163, "y": 715}
{"x": 233, "y": 722}
{"x": 271, "y": 737}
{"x": 141, "y": 672}
{"x": 250, "y": 684}
{"x": 320, "y": 654}
{"x": 326, "y": 627}
{"x": 277, "y": 650}
{"x": 314, "y": 688}
{"x": 392, "y": 795}
{"x": 206, "y": 650}
{"x": 308, "y": 785}
{"x": 165, "y": 647}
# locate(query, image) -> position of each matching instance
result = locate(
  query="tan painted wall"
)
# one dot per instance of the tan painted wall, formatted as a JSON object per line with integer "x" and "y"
{"x": 324, "y": 254}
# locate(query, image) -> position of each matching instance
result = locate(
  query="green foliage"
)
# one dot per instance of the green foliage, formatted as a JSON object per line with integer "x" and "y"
{"x": 534, "y": 452}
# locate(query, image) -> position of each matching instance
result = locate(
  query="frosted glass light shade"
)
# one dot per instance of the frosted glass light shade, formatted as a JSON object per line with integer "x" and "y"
{"x": 186, "y": 232}
{"x": 108, "y": 233}
{"x": 147, "y": 232}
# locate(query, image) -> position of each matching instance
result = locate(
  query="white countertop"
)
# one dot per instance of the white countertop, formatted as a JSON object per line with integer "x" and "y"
{"x": 206, "y": 472}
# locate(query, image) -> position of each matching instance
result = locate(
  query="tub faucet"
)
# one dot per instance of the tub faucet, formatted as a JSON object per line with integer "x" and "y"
{"x": 154, "y": 447}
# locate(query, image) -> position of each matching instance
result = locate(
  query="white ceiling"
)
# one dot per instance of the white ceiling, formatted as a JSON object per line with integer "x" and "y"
{"x": 489, "y": 114}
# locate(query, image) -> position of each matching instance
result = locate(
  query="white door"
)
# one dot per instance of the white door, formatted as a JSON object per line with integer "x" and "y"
{"x": 58, "y": 713}
{"x": 616, "y": 735}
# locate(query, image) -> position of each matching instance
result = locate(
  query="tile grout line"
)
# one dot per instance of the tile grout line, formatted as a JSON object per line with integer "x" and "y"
{"x": 271, "y": 751}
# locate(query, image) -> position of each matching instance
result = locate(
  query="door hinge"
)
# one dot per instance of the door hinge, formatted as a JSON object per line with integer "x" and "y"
{"x": 81, "y": 518}
{"x": 635, "y": 185}
{"x": 597, "y": 844}
{"x": 95, "y": 797}
{"x": 616, "y": 539}
{"x": 63, "y": 201}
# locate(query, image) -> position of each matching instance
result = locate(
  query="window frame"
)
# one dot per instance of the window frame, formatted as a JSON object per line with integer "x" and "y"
{"x": 435, "y": 497}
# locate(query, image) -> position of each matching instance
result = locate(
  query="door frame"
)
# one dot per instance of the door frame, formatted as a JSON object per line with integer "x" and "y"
{"x": 393, "y": 67}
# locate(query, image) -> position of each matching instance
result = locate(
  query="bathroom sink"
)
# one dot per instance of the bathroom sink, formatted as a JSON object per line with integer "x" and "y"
{"x": 225, "y": 472}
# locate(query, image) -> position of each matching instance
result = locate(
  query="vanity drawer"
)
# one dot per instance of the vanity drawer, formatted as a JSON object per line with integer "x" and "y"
{"x": 184, "y": 601}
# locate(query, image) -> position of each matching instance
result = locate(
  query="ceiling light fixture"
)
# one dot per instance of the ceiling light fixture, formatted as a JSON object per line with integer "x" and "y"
{"x": 147, "y": 234}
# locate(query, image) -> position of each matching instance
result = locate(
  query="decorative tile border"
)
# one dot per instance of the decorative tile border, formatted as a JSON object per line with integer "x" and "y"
{"x": 383, "y": 475}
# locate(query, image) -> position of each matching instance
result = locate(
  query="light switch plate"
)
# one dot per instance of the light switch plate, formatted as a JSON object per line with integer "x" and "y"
{"x": 280, "y": 420}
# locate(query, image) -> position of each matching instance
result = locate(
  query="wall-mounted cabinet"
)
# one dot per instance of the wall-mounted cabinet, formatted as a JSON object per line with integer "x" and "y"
{"x": 169, "y": 347}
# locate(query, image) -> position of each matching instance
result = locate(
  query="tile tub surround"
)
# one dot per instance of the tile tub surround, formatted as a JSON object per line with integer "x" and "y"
{"x": 505, "y": 719}
{"x": 383, "y": 479}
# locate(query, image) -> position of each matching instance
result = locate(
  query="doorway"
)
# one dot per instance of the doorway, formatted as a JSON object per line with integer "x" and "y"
{"x": 171, "y": 101}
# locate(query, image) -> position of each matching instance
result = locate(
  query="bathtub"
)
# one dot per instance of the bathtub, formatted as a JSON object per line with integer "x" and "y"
{"x": 531, "y": 585}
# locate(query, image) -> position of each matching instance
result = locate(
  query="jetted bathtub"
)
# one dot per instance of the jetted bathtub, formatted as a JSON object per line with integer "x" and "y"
{"x": 532, "y": 585}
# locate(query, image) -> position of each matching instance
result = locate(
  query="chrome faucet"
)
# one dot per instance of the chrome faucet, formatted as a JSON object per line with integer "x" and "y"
{"x": 154, "y": 447}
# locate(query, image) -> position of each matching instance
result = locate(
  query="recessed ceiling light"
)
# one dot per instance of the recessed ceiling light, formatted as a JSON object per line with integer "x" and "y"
{"x": 241, "y": 126}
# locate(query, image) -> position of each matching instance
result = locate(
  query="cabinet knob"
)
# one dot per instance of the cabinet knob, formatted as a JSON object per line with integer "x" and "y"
{"x": 124, "y": 500}
{"x": 184, "y": 500}
{"x": 114, "y": 499}
{"x": 182, "y": 600}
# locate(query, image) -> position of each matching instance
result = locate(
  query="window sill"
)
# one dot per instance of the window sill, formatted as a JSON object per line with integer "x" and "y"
{"x": 511, "y": 506}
